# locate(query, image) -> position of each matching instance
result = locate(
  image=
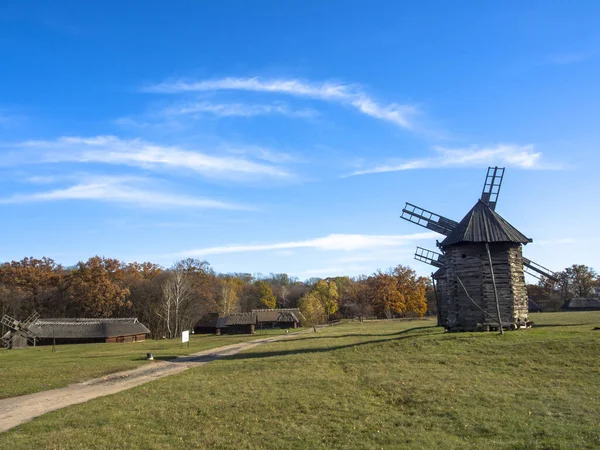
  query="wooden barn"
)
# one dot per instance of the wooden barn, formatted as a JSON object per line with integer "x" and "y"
{"x": 242, "y": 323}
{"x": 582, "y": 304}
{"x": 77, "y": 331}
{"x": 211, "y": 324}
{"x": 480, "y": 278}
{"x": 279, "y": 318}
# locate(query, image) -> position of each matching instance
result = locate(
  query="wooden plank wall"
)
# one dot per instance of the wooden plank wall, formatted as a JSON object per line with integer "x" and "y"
{"x": 442, "y": 298}
{"x": 470, "y": 263}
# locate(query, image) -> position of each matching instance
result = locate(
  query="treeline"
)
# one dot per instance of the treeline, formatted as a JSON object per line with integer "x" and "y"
{"x": 169, "y": 300}
{"x": 576, "y": 281}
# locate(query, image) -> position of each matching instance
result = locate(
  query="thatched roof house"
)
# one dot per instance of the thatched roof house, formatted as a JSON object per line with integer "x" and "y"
{"x": 65, "y": 331}
{"x": 211, "y": 323}
{"x": 582, "y": 304}
{"x": 242, "y": 323}
{"x": 279, "y": 318}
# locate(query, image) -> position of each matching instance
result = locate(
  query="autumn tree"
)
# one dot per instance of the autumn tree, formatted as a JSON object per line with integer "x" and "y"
{"x": 344, "y": 288}
{"x": 545, "y": 295}
{"x": 228, "y": 289}
{"x": 203, "y": 282}
{"x": 397, "y": 292}
{"x": 358, "y": 299}
{"x": 412, "y": 288}
{"x": 265, "y": 295}
{"x": 33, "y": 281}
{"x": 327, "y": 292}
{"x": 311, "y": 306}
{"x": 97, "y": 287}
{"x": 384, "y": 295}
{"x": 145, "y": 281}
{"x": 581, "y": 281}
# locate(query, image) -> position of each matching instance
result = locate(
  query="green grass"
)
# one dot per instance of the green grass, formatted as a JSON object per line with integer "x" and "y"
{"x": 38, "y": 369}
{"x": 376, "y": 385}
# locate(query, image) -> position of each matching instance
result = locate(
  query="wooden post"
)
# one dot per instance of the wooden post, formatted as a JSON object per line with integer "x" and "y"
{"x": 437, "y": 302}
{"x": 53, "y": 341}
{"x": 487, "y": 248}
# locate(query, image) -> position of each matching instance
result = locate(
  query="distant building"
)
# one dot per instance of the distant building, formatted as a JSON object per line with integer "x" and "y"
{"x": 582, "y": 304}
{"x": 279, "y": 318}
{"x": 242, "y": 323}
{"x": 78, "y": 331}
{"x": 211, "y": 324}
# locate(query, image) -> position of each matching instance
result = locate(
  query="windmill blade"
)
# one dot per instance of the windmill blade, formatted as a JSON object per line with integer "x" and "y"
{"x": 430, "y": 257}
{"x": 9, "y": 322}
{"x": 491, "y": 187}
{"x": 32, "y": 318}
{"x": 6, "y": 339}
{"x": 538, "y": 271}
{"x": 428, "y": 219}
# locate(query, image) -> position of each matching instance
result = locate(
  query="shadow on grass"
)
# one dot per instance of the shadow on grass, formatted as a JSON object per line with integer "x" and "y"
{"x": 302, "y": 351}
{"x": 397, "y": 333}
{"x": 560, "y": 325}
{"x": 386, "y": 337}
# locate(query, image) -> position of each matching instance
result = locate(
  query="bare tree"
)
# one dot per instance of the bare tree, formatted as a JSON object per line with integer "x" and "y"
{"x": 177, "y": 295}
{"x": 229, "y": 289}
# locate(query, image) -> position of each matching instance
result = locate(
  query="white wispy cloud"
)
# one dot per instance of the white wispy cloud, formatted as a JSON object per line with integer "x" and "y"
{"x": 239, "y": 110}
{"x": 568, "y": 58}
{"x": 140, "y": 153}
{"x": 126, "y": 190}
{"x": 518, "y": 156}
{"x": 335, "y": 271}
{"x": 346, "y": 94}
{"x": 567, "y": 241}
{"x": 335, "y": 242}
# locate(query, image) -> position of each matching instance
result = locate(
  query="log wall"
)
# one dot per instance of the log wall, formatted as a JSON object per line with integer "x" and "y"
{"x": 442, "y": 298}
{"x": 469, "y": 262}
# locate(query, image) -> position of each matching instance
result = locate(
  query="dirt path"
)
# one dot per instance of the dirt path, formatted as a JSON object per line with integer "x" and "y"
{"x": 17, "y": 410}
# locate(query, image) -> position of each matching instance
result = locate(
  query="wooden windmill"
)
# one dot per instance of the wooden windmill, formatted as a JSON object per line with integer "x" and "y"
{"x": 19, "y": 335}
{"x": 479, "y": 282}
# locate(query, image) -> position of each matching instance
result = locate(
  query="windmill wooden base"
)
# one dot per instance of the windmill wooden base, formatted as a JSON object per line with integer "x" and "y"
{"x": 480, "y": 281}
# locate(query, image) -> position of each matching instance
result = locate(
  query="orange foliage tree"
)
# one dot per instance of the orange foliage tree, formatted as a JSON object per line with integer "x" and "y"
{"x": 97, "y": 287}
{"x": 398, "y": 292}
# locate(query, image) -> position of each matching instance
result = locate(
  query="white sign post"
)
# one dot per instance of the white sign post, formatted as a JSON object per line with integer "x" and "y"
{"x": 185, "y": 337}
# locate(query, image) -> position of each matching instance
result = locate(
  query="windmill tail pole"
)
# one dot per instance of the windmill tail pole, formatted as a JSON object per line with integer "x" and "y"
{"x": 487, "y": 248}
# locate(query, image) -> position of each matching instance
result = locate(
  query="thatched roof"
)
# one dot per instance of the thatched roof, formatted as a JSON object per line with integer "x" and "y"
{"x": 287, "y": 315}
{"x": 582, "y": 304}
{"x": 212, "y": 320}
{"x": 482, "y": 224}
{"x": 241, "y": 319}
{"x": 86, "y": 328}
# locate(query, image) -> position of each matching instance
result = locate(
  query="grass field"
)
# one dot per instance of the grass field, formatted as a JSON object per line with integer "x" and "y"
{"x": 38, "y": 369}
{"x": 388, "y": 384}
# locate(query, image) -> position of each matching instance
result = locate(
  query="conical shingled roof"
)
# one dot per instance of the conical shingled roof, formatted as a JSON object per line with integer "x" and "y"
{"x": 481, "y": 224}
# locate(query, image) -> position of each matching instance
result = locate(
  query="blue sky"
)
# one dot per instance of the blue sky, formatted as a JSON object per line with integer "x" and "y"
{"x": 286, "y": 136}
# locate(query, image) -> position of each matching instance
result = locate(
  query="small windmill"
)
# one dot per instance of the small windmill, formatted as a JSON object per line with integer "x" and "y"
{"x": 19, "y": 335}
{"x": 479, "y": 280}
